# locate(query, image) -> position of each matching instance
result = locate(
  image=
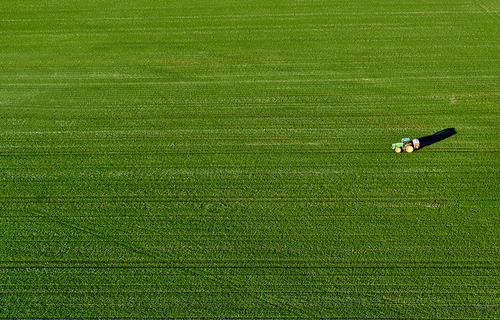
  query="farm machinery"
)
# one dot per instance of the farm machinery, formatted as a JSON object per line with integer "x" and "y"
{"x": 407, "y": 145}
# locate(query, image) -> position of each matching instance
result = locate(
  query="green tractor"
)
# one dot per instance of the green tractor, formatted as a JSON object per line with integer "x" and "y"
{"x": 407, "y": 145}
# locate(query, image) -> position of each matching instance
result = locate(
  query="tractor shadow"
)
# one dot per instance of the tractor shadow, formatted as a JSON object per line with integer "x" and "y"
{"x": 436, "y": 137}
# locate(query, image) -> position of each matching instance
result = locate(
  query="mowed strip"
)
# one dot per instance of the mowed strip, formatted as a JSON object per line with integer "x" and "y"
{"x": 211, "y": 160}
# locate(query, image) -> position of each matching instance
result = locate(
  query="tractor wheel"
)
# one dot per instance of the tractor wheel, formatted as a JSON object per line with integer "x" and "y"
{"x": 409, "y": 148}
{"x": 398, "y": 150}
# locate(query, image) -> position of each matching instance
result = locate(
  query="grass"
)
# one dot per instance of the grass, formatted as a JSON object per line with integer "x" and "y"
{"x": 232, "y": 160}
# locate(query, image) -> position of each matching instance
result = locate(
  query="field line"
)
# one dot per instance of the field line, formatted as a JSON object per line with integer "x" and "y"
{"x": 242, "y": 16}
{"x": 184, "y": 83}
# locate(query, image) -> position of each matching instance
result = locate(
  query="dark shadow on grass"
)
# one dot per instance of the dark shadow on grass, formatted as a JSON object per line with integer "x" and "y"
{"x": 436, "y": 137}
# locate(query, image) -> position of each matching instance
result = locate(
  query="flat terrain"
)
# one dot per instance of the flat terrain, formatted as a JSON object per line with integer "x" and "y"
{"x": 225, "y": 159}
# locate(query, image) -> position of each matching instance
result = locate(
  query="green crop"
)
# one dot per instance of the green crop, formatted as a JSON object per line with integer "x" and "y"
{"x": 222, "y": 159}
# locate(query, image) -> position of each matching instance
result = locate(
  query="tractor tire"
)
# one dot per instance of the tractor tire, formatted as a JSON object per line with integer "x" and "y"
{"x": 409, "y": 149}
{"x": 398, "y": 150}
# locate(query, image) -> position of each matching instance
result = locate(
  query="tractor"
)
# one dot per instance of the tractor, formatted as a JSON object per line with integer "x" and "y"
{"x": 407, "y": 145}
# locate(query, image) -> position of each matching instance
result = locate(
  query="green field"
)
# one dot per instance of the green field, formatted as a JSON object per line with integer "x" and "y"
{"x": 224, "y": 159}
